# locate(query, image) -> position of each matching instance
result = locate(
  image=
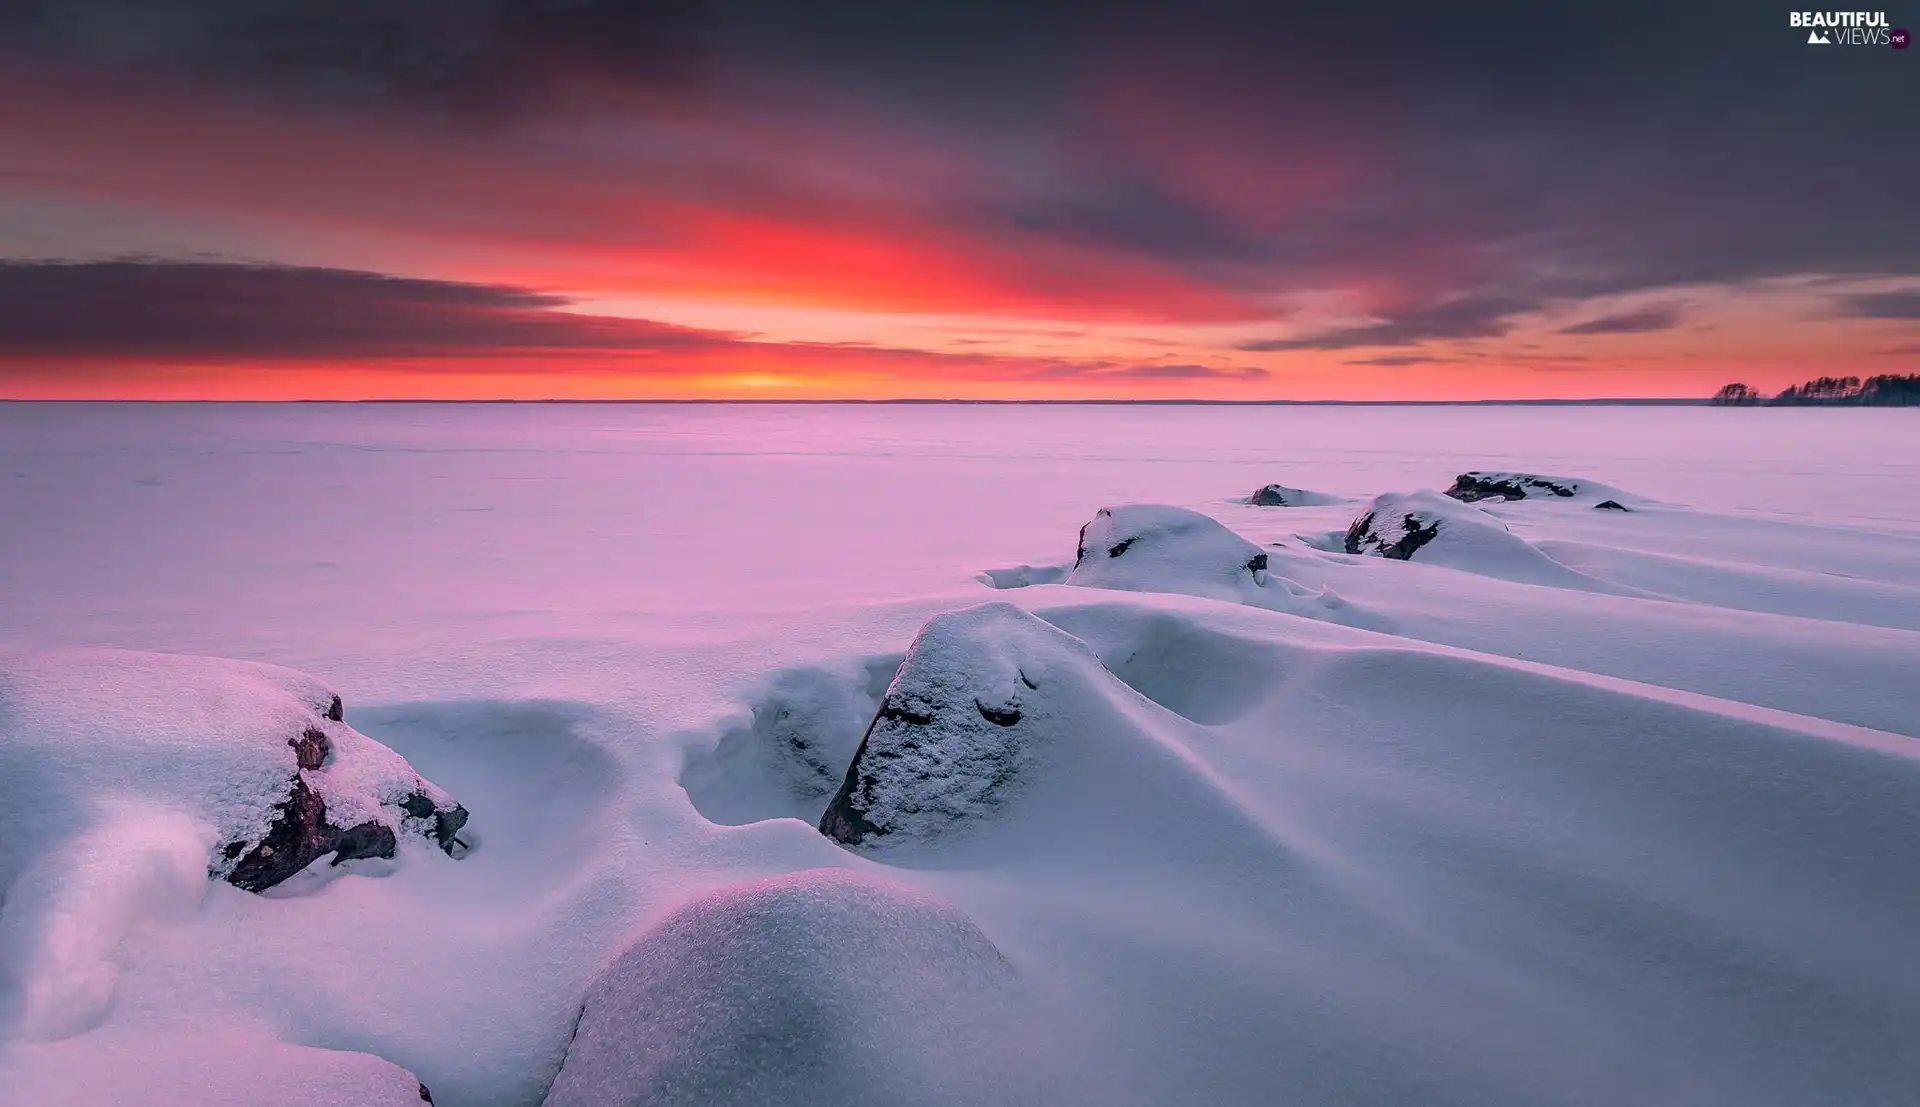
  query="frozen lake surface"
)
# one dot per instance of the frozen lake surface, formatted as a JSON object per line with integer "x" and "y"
{"x": 1573, "y": 806}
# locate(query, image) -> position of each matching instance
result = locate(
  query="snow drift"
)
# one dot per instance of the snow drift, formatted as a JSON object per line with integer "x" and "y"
{"x": 1003, "y": 734}
{"x": 814, "y": 989}
{"x": 129, "y": 779}
{"x": 1437, "y": 530}
{"x": 1464, "y": 841}
{"x": 203, "y": 1067}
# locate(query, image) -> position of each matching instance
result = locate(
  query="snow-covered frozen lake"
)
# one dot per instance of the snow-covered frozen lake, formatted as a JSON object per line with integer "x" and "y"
{"x": 1577, "y": 806}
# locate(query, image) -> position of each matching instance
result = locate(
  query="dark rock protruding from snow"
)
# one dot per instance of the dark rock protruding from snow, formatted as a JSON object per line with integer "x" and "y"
{"x": 255, "y": 753}
{"x": 814, "y": 989}
{"x": 303, "y": 831}
{"x": 1394, "y": 535}
{"x": 1610, "y": 505}
{"x": 1400, "y": 525}
{"x": 958, "y": 728}
{"x": 300, "y": 835}
{"x": 1279, "y": 495}
{"x": 1435, "y": 530}
{"x": 1479, "y": 485}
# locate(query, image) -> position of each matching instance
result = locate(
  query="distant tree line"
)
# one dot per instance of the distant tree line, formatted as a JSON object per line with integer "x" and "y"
{"x": 1886, "y": 390}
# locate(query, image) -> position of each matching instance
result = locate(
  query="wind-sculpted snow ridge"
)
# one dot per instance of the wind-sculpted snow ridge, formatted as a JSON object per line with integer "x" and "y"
{"x": 815, "y": 989}
{"x": 129, "y": 779}
{"x": 1720, "y": 892}
{"x": 1002, "y": 732}
{"x": 1434, "y": 529}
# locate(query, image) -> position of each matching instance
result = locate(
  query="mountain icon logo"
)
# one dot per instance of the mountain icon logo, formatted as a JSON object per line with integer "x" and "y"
{"x": 1818, "y": 38}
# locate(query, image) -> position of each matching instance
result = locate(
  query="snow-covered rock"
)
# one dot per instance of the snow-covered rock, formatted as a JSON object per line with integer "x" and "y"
{"x": 1399, "y": 525}
{"x": 822, "y": 987}
{"x": 128, "y": 779}
{"x": 956, "y": 731}
{"x": 1279, "y": 495}
{"x": 1435, "y": 530}
{"x": 1471, "y": 487}
{"x": 1155, "y": 548}
{"x": 256, "y": 754}
{"x": 1003, "y": 735}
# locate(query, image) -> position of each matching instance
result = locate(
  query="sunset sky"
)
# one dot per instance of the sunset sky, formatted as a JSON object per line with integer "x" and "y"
{"x": 267, "y": 199}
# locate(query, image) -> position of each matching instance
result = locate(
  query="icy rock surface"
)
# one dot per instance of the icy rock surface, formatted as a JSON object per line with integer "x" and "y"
{"x": 822, "y": 987}
{"x": 956, "y": 731}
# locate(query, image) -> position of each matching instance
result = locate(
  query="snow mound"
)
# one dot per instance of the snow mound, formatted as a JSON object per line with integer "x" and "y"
{"x": 1471, "y": 487}
{"x": 820, "y": 987}
{"x": 1436, "y": 530}
{"x": 1279, "y": 495}
{"x": 1400, "y": 525}
{"x": 1154, "y": 548}
{"x": 129, "y": 779}
{"x": 225, "y": 1066}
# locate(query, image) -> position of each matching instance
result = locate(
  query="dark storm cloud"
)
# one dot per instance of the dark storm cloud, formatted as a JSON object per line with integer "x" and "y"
{"x": 1883, "y": 305}
{"x": 1463, "y": 317}
{"x": 1628, "y": 322}
{"x": 1395, "y": 360}
{"x": 219, "y": 311}
{"x": 1513, "y": 153}
{"x": 1149, "y": 371}
{"x": 151, "y": 313}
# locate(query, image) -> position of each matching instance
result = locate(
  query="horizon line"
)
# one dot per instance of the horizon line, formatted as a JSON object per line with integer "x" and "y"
{"x": 1622, "y": 401}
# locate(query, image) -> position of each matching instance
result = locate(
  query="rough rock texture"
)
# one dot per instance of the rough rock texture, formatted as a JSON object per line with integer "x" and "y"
{"x": 1399, "y": 525}
{"x": 1391, "y": 534}
{"x": 814, "y": 989}
{"x": 957, "y": 729}
{"x": 256, "y": 754}
{"x": 301, "y": 835}
{"x": 1475, "y": 486}
{"x": 303, "y": 832}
